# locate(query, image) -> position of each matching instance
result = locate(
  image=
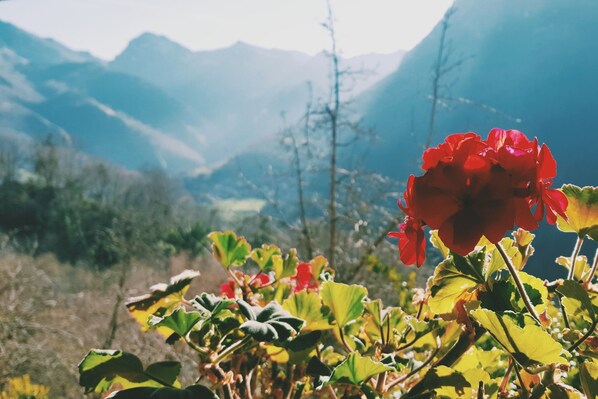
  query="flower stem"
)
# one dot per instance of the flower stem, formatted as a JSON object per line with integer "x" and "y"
{"x": 344, "y": 341}
{"x": 231, "y": 349}
{"x": 576, "y": 250}
{"x": 592, "y": 270}
{"x": 518, "y": 283}
{"x": 505, "y": 380}
{"x": 584, "y": 337}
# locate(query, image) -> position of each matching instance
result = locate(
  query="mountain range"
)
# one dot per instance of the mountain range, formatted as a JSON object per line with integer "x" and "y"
{"x": 159, "y": 103}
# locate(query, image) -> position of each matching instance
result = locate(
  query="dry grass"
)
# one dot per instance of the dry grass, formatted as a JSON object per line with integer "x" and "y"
{"x": 51, "y": 314}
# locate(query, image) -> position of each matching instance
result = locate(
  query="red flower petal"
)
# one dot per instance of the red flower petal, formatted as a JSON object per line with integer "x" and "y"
{"x": 228, "y": 289}
{"x": 412, "y": 242}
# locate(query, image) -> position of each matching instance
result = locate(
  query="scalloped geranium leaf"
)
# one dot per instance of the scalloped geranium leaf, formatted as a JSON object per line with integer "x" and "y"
{"x": 229, "y": 249}
{"x": 285, "y": 266}
{"x": 344, "y": 301}
{"x": 437, "y": 243}
{"x": 577, "y": 302}
{"x": 191, "y": 392}
{"x": 529, "y": 344}
{"x": 179, "y": 321}
{"x": 101, "y": 369}
{"x": 263, "y": 256}
{"x": 519, "y": 249}
{"x": 453, "y": 384}
{"x": 456, "y": 278}
{"x": 588, "y": 374}
{"x": 210, "y": 305}
{"x": 582, "y": 267}
{"x": 356, "y": 370}
{"x": 272, "y": 323}
{"x": 308, "y": 306}
{"x": 455, "y": 388}
{"x": 162, "y": 299}
{"x": 536, "y": 290}
{"x": 582, "y": 211}
{"x": 318, "y": 265}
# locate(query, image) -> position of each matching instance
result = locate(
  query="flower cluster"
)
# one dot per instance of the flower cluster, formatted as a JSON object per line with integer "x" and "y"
{"x": 473, "y": 188}
{"x": 255, "y": 281}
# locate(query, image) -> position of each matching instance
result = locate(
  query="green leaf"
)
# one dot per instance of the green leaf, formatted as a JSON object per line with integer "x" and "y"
{"x": 286, "y": 267}
{"x": 576, "y": 301}
{"x": 303, "y": 342}
{"x": 519, "y": 250}
{"x": 228, "y": 249}
{"x": 250, "y": 312}
{"x": 582, "y": 211}
{"x": 437, "y": 243}
{"x": 263, "y": 257}
{"x": 535, "y": 289}
{"x": 210, "y": 305}
{"x": 588, "y": 374}
{"x": 528, "y": 344}
{"x": 356, "y": 370}
{"x": 307, "y": 306}
{"x": 344, "y": 301}
{"x": 582, "y": 267}
{"x": 100, "y": 369}
{"x": 261, "y": 332}
{"x": 272, "y": 323}
{"x": 383, "y": 324}
{"x": 456, "y": 278}
{"x": 179, "y": 321}
{"x": 455, "y": 388}
{"x": 192, "y": 392}
{"x": 444, "y": 380}
{"x": 162, "y": 299}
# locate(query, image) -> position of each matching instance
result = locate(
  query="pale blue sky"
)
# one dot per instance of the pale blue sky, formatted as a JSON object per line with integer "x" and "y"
{"x": 104, "y": 27}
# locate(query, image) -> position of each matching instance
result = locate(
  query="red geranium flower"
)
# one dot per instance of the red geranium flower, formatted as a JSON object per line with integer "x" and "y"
{"x": 465, "y": 198}
{"x": 474, "y": 188}
{"x": 445, "y": 151}
{"x": 304, "y": 279}
{"x": 255, "y": 281}
{"x": 532, "y": 169}
{"x": 228, "y": 289}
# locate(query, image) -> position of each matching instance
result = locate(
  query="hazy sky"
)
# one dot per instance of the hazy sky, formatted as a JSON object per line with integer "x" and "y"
{"x": 104, "y": 27}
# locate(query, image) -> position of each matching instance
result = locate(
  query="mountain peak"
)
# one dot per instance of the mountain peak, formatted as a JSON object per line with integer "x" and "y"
{"x": 37, "y": 49}
{"x": 156, "y": 44}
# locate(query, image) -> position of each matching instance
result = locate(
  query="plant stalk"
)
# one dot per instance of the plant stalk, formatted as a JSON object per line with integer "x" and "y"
{"x": 576, "y": 250}
{"x": 592, "y": 270}
{"x": 518, "y": 283}
{"x": 231, "y": 349}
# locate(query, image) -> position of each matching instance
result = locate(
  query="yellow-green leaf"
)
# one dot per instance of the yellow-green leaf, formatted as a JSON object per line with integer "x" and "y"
{"x": 576, "y": 301}
{"x": 307, "y": 306}
{"x": 456, "y": 278}
{"x": 100, "y": 369}
{"x": 263, "y": 256}
{"x": 582, "y": 267}
{"x": 519, "y": 249}
{"x": 229, "y": 249}
{"x": 528, "y": 345}
{"x": 287, "y": 266}
{"x": 162, "y": 300}
{"x": 437, "y": 243}
{"x": 356, "y": 370}
{"x": 582, "y": 211}
{"x": 344, "y": 301}
{"x": 588, "y": 374}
